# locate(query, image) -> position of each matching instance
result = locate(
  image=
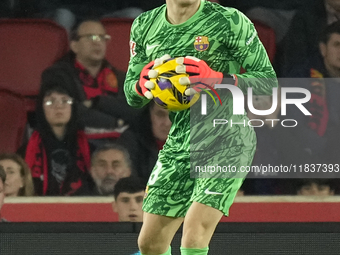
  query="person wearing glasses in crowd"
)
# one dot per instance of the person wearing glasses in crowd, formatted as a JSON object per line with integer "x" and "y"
{"x": 97, "y": 86}
{"x": 57, "y": 153}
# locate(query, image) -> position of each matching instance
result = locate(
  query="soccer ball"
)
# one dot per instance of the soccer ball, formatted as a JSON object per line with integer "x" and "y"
{"x": 168, "y": 93}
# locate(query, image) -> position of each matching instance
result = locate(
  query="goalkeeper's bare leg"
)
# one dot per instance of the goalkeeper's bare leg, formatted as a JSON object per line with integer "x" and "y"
{"x": 157, "y": 233}
{"x": 199, "y": 225}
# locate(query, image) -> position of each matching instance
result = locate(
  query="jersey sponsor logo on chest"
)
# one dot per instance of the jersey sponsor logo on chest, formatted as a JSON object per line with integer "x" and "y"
{"x": 201, "y": 43}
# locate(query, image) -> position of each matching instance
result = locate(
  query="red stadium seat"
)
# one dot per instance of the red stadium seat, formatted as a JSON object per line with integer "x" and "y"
{"x": 118, "y": 52}
{"x": 28, "y": 46}
{"x": 12, "y": 121}
{"x": 267, "y": 36}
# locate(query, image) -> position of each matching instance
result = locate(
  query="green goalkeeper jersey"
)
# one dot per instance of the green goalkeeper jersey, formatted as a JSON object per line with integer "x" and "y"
{"x": 223, "y": 37}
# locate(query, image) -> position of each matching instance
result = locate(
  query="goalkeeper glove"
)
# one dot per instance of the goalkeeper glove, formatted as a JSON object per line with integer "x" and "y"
{"x": 144, "y": 85}
{"x": 200, "y": 75}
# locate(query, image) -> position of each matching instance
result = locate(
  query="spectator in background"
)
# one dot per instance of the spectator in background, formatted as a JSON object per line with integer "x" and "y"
{"x": 145, "y": 140}
{"x": 110, "y": 163}
{"x": 320, "y": 131}
{"x": 97, "y": 87}
{"x": 315, "y": 187}
{"x": 129, "y": 194}
{"x": 57, "y": 153}
{"x": 302, "y": 37}
{"x": 2, "y": 189}
{"x": 19, "y": 179}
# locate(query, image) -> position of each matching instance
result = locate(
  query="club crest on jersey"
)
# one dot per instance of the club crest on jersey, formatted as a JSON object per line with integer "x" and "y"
{"x": 201, "y": 43}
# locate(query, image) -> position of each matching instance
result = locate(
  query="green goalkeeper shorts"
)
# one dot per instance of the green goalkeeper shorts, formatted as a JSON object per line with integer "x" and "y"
{"x": 171, "y": 190}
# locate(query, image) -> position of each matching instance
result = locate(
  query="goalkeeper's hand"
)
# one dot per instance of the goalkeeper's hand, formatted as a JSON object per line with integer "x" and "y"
{"x": 144, "y": 85}
{"x": 200, "y": 74}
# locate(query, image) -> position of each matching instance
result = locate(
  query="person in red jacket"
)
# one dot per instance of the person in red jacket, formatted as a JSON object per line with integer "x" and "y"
{"x": 96, "y": 85}
{"x": 58, "y": 153}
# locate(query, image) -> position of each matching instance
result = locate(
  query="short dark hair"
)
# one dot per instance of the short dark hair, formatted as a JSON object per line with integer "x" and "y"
{"x": 112, "y": 146}
{"x": 55, "y": 88}
{"x": 333, "y": 28}
{"x": 74, "y": 30}
{"x": 130, "y": 184}
{"x": 2, "y": 174}
{"x": 320, "y": 182}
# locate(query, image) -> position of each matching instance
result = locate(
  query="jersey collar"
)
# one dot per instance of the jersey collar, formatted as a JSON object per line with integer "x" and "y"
{"x": 189, "y": 21}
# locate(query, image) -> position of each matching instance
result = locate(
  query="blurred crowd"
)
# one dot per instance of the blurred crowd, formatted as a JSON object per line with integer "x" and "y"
{"x": 83, "y": 91}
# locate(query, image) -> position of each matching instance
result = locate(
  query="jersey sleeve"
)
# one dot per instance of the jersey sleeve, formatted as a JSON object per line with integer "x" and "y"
{"x": 247, "y": 49}
{"x": 138, "y": 60}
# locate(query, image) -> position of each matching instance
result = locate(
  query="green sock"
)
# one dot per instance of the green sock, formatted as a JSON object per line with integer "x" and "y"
{"x": 194, "y": 251}
{"x": 168, "y": 252}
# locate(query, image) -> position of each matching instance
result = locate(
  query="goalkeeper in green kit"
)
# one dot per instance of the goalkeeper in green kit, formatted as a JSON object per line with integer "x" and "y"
{"x": 210, "y": 43}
